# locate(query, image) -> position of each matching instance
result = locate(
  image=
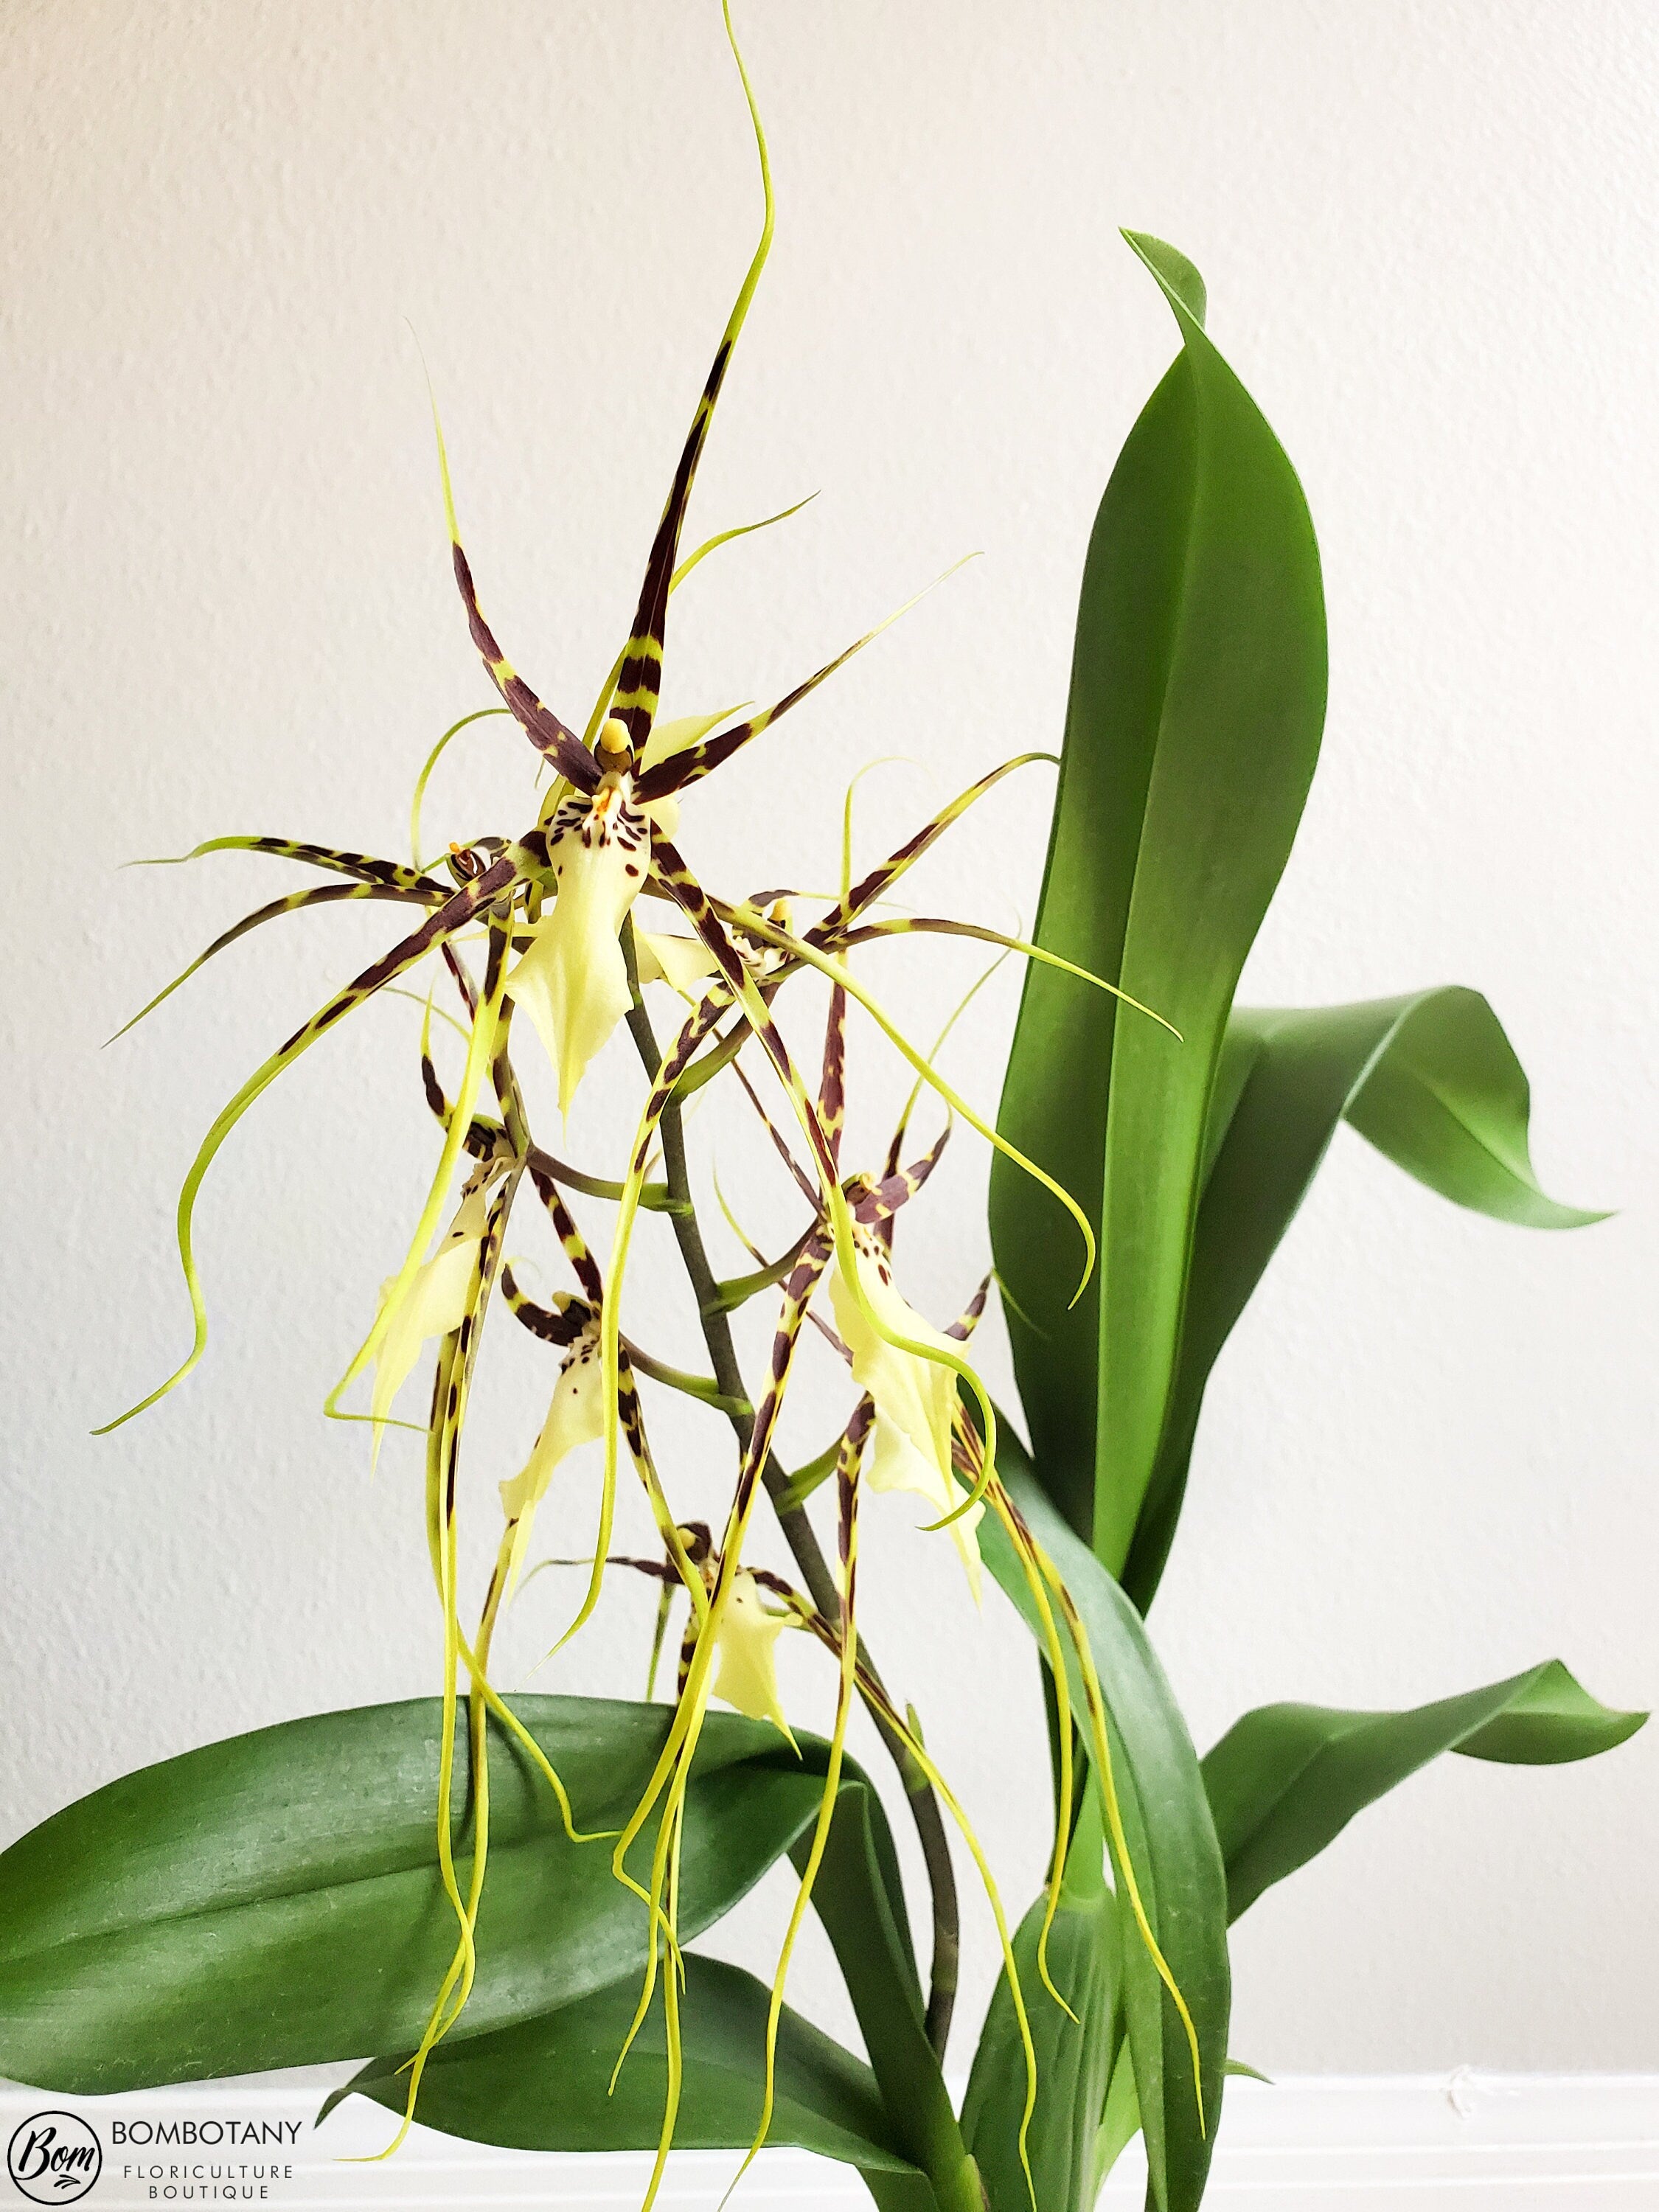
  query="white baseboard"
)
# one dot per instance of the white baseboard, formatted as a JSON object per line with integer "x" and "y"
{"x": 1462, "y": 2143}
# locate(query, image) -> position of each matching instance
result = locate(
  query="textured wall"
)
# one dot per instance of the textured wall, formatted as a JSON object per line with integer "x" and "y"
{"x": 1428, "y": 236}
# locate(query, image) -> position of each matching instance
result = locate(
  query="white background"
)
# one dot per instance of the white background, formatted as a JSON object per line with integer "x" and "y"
{"x": 1429, "y": 233}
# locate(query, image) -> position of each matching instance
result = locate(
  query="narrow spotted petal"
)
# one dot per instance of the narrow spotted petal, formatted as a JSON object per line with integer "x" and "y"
{"x": 538, "y": 722}
{"x": 832, "y": 1079}
{"x": 899, "y": 1185}
{"x": 454, "y": 916}
{"x": 690, "y": 765}
{"x": 363, "y": 866}
{"x": 560, "y": 1324}
{"x": 639, "y": 679}
{"x": 323, "y": 895}
{"x": 882, "y": 877}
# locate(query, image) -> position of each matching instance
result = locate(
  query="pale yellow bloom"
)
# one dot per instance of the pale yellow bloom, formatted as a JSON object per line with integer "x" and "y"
{"x": 748, "y": 1631}
{"x": 435, "y": 1303}
{"x": 575, "y": 1416}
{"x": 913, "y": 1398}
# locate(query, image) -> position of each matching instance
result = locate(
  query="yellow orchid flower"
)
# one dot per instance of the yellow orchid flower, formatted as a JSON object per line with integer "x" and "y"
{"x": 748, "y": 1632}
{"x": 433, "y": 1305}
{"x": 914, "y": 1397}
{"x": 575, "y": 1416}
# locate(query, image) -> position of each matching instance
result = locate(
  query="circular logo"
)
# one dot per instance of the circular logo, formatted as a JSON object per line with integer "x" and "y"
{"x": 54, "y": 2158}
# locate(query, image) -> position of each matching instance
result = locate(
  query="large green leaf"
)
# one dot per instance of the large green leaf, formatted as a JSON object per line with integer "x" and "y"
{"x": 274, "y": 1900}
{"x": 545, "y": 2084}
{"x": 1429, "y": 1079}
{"x": 1074, "y": 2056}
{"x": 1197, "y": 698}
{"x": 1171, "y": 1837}
{"x": 1286, "y": 1780}
{"x": 529, "y": 2086}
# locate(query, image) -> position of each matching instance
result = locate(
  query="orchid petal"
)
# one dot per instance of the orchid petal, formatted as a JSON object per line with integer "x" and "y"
{"x": 745, "y": 1641}
{"x": 913, "y": 1398}
{"x": 433, "y": 1305}
{"x": 575, "y": 1416}
{"x": 685, "y": 963}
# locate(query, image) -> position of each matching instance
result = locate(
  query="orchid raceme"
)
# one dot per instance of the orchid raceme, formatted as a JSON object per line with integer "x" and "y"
{"x": 561, "y": 908}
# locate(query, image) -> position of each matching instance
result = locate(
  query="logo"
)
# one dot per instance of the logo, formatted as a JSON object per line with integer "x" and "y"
{"x": 54, "y": 2158}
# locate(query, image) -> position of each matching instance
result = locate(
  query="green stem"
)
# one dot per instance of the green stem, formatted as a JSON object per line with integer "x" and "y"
{"x": 798, "y": 1531}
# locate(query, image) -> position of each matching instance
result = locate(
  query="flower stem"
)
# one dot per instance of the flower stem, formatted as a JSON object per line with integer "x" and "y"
{"x": 798, "y": 1531}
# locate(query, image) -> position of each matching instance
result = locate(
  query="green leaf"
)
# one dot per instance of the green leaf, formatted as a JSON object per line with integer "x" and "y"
{"x": 859, "y": 1897}
{"x": 275, "y": 1901}
{"x": 1172, "y": 1836}
{"x": 1074, "y": 2057}
{"x": 1429, "y": 1079}
{"x": 1286, "y": 1780}
{"x": 544, "y": 2083}
{"x": 1197, "y": 698}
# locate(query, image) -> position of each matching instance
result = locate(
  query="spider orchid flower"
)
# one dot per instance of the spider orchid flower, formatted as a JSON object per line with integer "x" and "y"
{"x": 913, "y": 1398}
{"x": 433, "y": 1305}
{"x": 575, "y": 1416}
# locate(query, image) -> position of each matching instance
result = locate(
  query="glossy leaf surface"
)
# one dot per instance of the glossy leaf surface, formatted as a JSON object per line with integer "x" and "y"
{"x": 543, "y": 2084}
{"x": 1286, "y": 1780}
{"x": 1172, "y": 1843}
{"x": 1197, "y": 699}
{"x": 1074, "y": 2057}
{"x": 860, "y": 1899}
{"x": 1429, "y": 1079}
{"x": 274, "y": 1900}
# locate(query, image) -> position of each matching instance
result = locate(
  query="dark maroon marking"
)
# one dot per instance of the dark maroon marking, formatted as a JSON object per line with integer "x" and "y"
{"x": 832, "y": 1082}
{"x": 962, "y": 1328}
{"x": 363, "y": 864}
{"x": 803, "y": 1183}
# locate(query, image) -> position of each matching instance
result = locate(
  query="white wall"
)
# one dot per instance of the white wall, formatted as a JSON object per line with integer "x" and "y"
{"x": 1429, "y": 233}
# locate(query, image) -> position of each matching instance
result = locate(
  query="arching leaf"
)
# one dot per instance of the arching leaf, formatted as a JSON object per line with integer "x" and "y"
{"x": 1286, "y": 1780}
{"x": 1197, "y": 699}
{"x": 1434, "y": 1083}
{"x": 275, "y": 1901}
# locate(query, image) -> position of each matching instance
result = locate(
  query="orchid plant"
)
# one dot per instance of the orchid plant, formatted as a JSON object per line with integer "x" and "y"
{"x": 492, "y": 1895}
